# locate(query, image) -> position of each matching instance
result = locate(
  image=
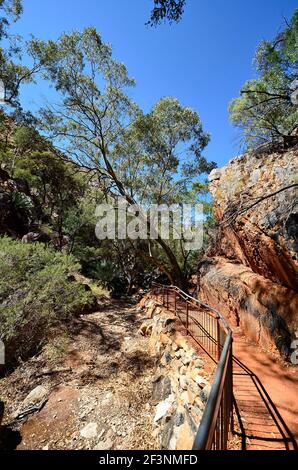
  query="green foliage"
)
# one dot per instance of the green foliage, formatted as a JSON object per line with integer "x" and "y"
{"x": 11, "y": 10}
{"x": 21, "y": 202}
{"x": 170, "y": 10}
{"x": 95, "y": 104}
{"x": 160, "y": 154}
{"x": 13, "y": 72}
{"x": 35, "y": 294}
{"x": 25, "y": 138}
{"x": 152, "y": 158}
{"x": 265, "y": 110}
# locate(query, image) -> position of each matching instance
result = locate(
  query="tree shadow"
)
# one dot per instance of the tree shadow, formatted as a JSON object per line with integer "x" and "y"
{"x": 256, "y": 420}
{"x": 137, "y": 362}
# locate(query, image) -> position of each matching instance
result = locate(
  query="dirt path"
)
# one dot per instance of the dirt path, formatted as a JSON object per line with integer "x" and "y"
{"x": 265, "y": 391}
{"x": 96, "y": 397}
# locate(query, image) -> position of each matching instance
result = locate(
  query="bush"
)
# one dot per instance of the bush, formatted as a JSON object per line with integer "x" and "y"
{"x": 37, "y": 291}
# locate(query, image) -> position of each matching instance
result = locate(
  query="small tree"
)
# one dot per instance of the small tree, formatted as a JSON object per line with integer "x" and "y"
{"x": 266, "y": 110}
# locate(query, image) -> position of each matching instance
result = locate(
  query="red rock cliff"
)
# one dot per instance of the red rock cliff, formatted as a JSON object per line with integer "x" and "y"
{"x": 251, "y": 272}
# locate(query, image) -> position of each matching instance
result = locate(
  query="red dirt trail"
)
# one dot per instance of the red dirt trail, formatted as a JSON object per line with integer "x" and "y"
{"x": 266, "y": 392}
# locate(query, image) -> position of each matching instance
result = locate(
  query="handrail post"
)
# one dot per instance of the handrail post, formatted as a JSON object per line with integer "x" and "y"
{"x": 231, "y": 388}
{"x": 187, "y": 323}
{"x": 218, "y": 340}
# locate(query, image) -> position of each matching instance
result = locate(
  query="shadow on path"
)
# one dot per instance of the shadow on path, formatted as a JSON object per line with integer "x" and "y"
{"x": 256, "y": 419}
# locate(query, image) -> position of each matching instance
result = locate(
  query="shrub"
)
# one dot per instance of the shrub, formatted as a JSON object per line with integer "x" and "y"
{"x": 37, "y": 291}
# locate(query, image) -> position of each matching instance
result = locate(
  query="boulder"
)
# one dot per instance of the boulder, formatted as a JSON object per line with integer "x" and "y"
{"x": 89, "y": 431}
{"x": 161, "y": 389}
{"x": 204, "y": 394}
{"x": 107, "y": 444}
{"x": 164, "y": 407}
{"x": 36, "y": 395}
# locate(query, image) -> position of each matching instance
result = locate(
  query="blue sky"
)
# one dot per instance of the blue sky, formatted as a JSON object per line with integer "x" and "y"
{"x": 203, "y": 60}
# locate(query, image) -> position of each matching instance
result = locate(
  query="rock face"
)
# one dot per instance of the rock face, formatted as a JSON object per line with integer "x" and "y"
{"x": 251, "y": 269}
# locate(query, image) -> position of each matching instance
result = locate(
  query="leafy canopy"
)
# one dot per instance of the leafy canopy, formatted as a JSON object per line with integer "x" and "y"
{"x": 265, "y": 110}
{"x": 159, "y": 155}
{"x": 12, "y": 71}
{"x": 9, "y": 10}
{"x": 170, "y": 10}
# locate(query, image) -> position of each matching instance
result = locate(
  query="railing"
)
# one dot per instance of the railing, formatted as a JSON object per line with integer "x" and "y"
{"x": 212, "y": 333}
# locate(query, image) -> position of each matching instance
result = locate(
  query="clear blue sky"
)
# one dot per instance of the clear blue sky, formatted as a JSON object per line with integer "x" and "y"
{"x": 203, "y": 60}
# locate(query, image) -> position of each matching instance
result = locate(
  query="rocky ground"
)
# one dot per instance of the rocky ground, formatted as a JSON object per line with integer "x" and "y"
{"x": 93, "y": 393}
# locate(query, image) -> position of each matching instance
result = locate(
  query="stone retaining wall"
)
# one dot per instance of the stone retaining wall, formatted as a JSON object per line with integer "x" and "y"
{"x": 180, "y": 386}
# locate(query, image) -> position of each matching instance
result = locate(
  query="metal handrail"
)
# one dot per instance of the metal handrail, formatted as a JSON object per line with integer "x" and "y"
{"x": 217, "y": 417}
{"x": 196, "y": 301}
{"x": 205, "y": 434}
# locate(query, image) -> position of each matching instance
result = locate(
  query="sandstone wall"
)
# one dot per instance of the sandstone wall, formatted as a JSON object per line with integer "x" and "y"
{"x": 251, "y": 270}
{"x": 181, "y": 385}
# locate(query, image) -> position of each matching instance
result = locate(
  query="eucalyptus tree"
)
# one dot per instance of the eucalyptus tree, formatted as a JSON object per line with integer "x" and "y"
{"x": 149, "y": 158}
{"x": 267, "y": 109}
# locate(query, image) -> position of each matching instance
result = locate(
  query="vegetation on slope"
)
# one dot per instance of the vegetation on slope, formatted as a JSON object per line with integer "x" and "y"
{"x": 36, "y": 293}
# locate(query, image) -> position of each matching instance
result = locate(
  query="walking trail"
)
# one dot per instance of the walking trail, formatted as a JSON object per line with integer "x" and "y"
{"x": 266, "y": 405}
{"x": 265, "y": 397}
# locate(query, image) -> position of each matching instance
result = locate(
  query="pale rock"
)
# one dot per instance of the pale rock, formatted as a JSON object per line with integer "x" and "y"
{"x": 183, "y": 382}
{"x": 104, "y": 445}
{"x": 89, "y": 431}
{"x": 188, "y": 397}
{"x": 184, "y": 437}
{"x": 186, "y": 359}
{"x": 204, "y": 395}
{"x": 163, "y": 407}
{"x": 36, "y": 395}
{"x": 214, "y": 175}
{"x": 182, "y": 342}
